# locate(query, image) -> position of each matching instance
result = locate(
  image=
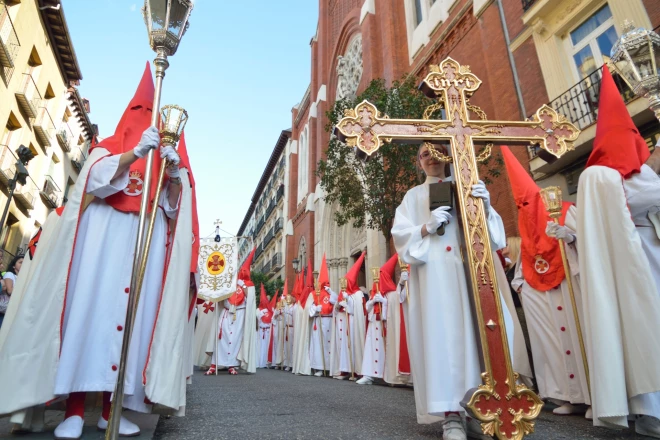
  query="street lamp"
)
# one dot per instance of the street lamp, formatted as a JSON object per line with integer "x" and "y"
{"x": 636, "y": 58}
{"x": 25, "y": 155}
{"x": 296, "y": 264}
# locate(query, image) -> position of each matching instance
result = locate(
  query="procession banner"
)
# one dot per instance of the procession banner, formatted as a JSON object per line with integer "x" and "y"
{"x": 218, "y": 268}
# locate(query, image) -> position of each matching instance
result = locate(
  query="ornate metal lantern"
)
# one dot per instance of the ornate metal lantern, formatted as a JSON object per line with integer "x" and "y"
{"x": 167, "y": 21}
{"x": 636, "y": 58}
{"x": 173, "y": 119}
{"x": 552, "y": 199}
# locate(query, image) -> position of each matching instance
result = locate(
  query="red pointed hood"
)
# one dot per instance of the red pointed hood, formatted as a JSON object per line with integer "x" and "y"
{"x": 324, "y": 276}
{"x": 387, "y": 283}
{"x": 244, "y": 272}
{"x": 352, "y": 275}
{"x": 308, "y": 287}
{"x": 273, "y": 301}
{"x": 185, "y": 163}
{"x": 618, "y": 144}
{"x": 536, "y": 246}
{"x": 136, "y": 118}
{"x": 263, "y": 299}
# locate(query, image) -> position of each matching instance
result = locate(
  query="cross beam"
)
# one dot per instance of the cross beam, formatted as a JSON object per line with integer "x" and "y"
{"x": 505, "y": 408}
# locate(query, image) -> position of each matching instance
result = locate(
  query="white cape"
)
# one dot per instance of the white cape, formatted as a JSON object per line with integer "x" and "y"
{"x": 248, "y": 353}
{"x": 302, "y": 328}
{"x": 30, "y": 335}
{"x": 620, "y": 300}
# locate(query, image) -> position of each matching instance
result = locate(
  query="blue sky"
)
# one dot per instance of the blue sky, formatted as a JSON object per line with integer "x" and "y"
{"x": 239, "y": 70}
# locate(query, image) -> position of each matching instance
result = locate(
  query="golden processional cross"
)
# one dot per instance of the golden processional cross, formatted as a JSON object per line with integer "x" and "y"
{"x": 505, "y": 408}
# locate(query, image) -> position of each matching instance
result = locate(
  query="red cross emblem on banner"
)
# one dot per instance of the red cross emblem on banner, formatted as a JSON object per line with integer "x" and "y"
{"x": 541, "y": 266}
{"x": 208, "y": 307}
{"x": 135, "y": 184}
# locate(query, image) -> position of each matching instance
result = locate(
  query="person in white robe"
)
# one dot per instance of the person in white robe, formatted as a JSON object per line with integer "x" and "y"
{"x": 540, "y": 279}
{"x": 265, "y": 318}
{"x": 397, "y": 360}
{"x": 303, "y": 327}
{"x": 205, "y": 331}
{"x": 347, "y": 345}
{"x": 232, "y": 325}
{"x": 618, "y": 253}
{"x": 441, "y": 339}
{"x": 289, "y": 335}
{"x": 320, "y": 342}
{"x": 279, "y": 332}
{"x": 79, "y": 281}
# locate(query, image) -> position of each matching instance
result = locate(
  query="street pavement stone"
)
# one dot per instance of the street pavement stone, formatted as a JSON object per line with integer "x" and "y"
{"x": 279, "y": 405}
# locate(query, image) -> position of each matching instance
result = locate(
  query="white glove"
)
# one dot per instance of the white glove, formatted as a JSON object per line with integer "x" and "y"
{"x": 404, "y": 276}
{"x": 378, "y": 297}
{"x": 173, "y": 172}
{"x": 558, "y": 231}
{"x": 479, "y": 191}
{"x": 438, "y": 217}
{"x": 168, "y": 152}
{"x": 240, "y": 283}
{"x": 342, "y": 304}
{"x": 318, "y": 308}
{"x": 329, "y": 290}
{"x": 149, "y": 141}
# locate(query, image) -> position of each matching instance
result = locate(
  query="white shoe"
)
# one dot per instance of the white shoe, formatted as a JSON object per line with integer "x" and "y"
{"x": 568, "y": 409}
{"x": 318, "y": 373}
{"x": 474, "y": 430}
{"x": 70, "y": 428}
{"x": 452, "y": 428}
{"x": 126, "y": 427}
{"x": 287, "y": 369}
{"x": 648, "y": 426}
{"x": 366, "y": 380}
{"x": 340, "y": 377}
{"x": 589, "y": 414}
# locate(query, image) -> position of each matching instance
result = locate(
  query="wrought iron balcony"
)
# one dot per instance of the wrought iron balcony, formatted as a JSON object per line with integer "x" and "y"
{"x": 276, "y": 262}
{"x": 260, "y": 225}
{"x": 270, "y": 208}
{"x": 269, "y": 237}
{"x": 280, "y": 193}
{"x": 51, "y": 193}
{"x": 28, "y": 96}
{"x": 7, "y": 165}
{"x": 266, "y": 267}
{"x": 9, "y": 44}
{"x": 258, "y": 252}
{"x": 279, "y": 224}
{"x": 65, "y": 137}
{"x": 526, "y": 4}
{"x": 44, "y": 128}
{"x": 580, "y": 103}
{"x": 26, "y": 195}
{"x": 78, "y": 158}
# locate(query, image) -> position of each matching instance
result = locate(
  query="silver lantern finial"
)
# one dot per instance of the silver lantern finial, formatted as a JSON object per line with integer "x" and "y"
{"x": 167, "y": 21}
{"x": 636, "y": 58}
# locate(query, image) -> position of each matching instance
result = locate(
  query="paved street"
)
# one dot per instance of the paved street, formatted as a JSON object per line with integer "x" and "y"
{"x": 274, "y": 404}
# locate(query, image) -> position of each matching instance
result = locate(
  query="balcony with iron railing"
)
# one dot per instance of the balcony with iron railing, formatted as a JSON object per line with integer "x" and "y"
{"x": 269, "y": 237}
{"x": 44, "y": 128}
{"x": 266, "y": 267}
{"x": 279, "y": 224}
{"x": 51, "y": 193}
{"x": 26, "y": 195}
{"x": 270, "y": 209}
{"x": 28, "y": 96}
{"x": 65, "y": 137}
{"x": 580, "y": 103}
{"x": 78, "y": 158}
{"x": 9, "y": 43}
{"x": 276, "y": 262}
{"x": 260, "y": 224}
{"x": 280, "y": 193}
{"x": 7, "y": 165}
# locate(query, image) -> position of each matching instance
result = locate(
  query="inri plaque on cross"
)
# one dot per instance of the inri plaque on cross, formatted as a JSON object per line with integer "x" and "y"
{"x": 505, "y": 408}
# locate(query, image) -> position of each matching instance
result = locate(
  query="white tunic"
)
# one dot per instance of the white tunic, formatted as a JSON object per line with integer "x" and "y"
{"x": 231, "y": 335}
{"x": 303, "y": 328}
{"x": 289, "y": 312}
{"x": 345, "y": 337}
{"x": 441, "y": 340}
{"x": 320, "y": 340}
{"x": 263, "y": 338}
{"x": 206, "y": 332}
{"x": 558, "y": 363}
{"x": 373, "y": 362}
{"x": 95, "y": 311}
{"x": 278, "y": 336}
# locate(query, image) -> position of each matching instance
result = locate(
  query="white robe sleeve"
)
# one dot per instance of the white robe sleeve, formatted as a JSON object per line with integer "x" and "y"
{"x": 312, "y": 310}
{"x": 349, "y": 305}
{"x": 101, "y": 183}
{"x": 401, "y": 289}
{"x": 370, "y": 305}
{"x": 170, "y": 211}
{"x": 383, "y": 309}
{"x": 411, "y": 246}
{"x": 496, "y": 230}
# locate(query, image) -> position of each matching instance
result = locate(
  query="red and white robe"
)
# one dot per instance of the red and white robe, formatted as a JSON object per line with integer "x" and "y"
{"x": 373, "y": 362}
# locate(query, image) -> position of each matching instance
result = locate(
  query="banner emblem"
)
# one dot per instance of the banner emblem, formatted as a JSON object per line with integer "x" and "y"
{"x": 216, "y": 263}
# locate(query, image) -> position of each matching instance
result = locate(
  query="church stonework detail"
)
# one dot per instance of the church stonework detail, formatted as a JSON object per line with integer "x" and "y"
{"x": 349, "y": 70}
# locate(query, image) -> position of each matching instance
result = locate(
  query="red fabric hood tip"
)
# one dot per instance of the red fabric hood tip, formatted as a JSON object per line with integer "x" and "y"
{"x": 244, "y": 272}
{"x": 263, "y": 299}
{"x": 387, "y": 283}
{"x": 618, "y": 144}
{"x": 543, "y": 268}
{"x": 352, "y": 275}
